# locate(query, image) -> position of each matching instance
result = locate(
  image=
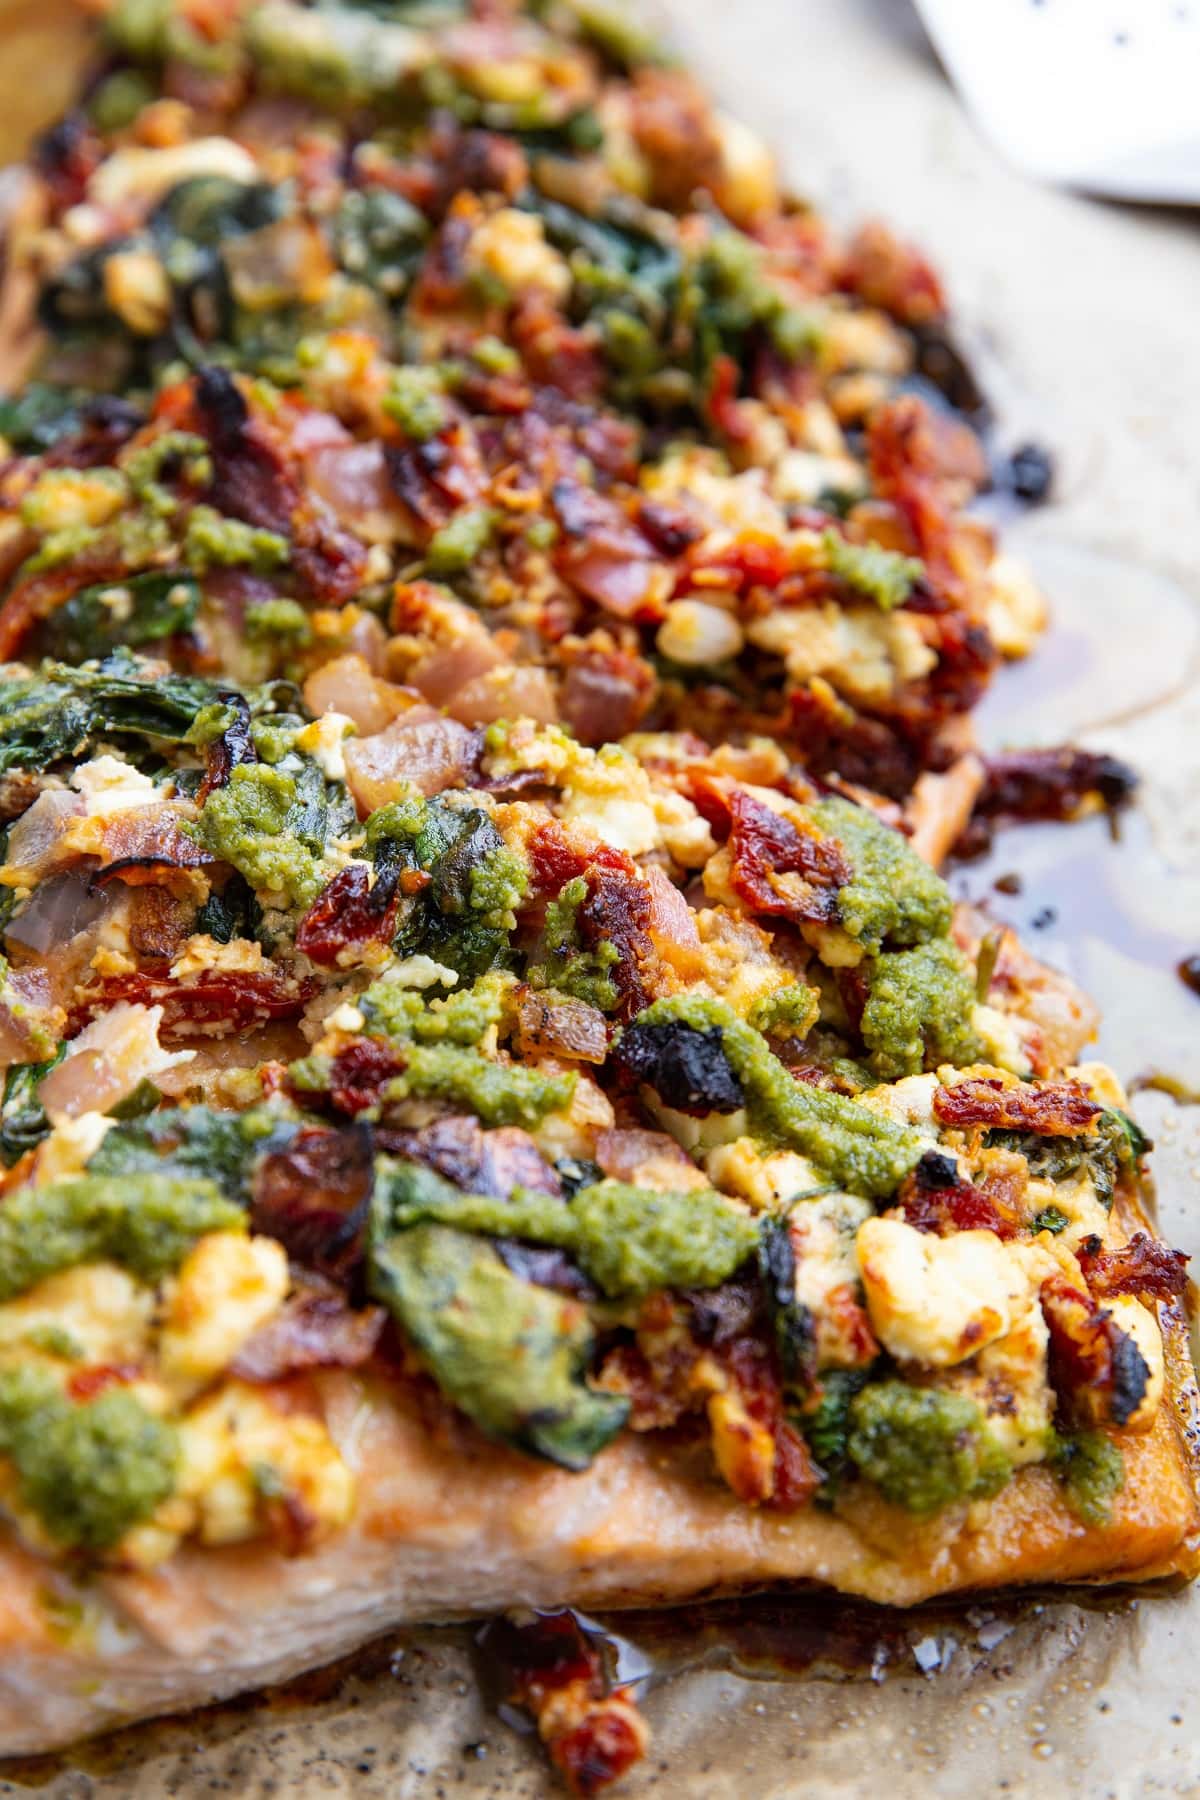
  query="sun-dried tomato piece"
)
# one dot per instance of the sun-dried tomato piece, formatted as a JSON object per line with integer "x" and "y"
{"x": 890, "y": 274}
{"x": 1055, "y": 1109}
{"x": 234, "y": 747}
{"x": 85, "y": 1384}
{"x": 1144, "y": 1266}
{"x": 349, "y": 912}
{"x": 778, "y": 869}
{"x": 359, "y": 1075}
{"x": 754, "y": 558}
{"x": 1096, "y": 1368}
{"x": 833, "y": 739}
{"x": 314, "y": 1329}
{"x": 550, "y": 1666}
{"x": 786, "y": 1479}
{"x": 253, "y": 480}
{"x": 555, "y": 859}
{"x": 961, "y": 1207}
{"x": 215, "y": 1002}
{"x": 609, "y": 1739}
{"x": 556, "y": 353}
{"x": 617, "y": 910}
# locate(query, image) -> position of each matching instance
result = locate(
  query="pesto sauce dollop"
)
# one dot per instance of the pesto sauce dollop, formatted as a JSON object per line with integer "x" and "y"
{"x": 918, "y": 1010}
{"x": 509, "y": 1354}
{"x": 859, "y": 1150}
{"x": 247, "y": 823}
{"x": 630, "y": 1241}
{"x": 924, "y": 1447}
{"x": 89, "y": 1470}
{"x": 147, "y": 1223}
{"x": 893, "y": 896}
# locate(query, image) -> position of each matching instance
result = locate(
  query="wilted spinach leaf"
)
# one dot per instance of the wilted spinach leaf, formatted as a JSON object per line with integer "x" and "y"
{"x": 138, "y": 610}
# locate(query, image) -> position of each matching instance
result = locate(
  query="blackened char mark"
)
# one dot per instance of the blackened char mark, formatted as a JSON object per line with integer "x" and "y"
{"x": 1096, "y": 1369}
{"x": 686, "y": 1066}
{"x": 223, "y": 407}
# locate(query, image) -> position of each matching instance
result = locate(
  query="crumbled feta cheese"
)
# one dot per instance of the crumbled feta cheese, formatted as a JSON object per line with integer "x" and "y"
{"x": 420, "y": 972}
{"x": 324, "y": 740}
{"x": 97, "y": 1313}
{"x": 227, "y": 1287}
{"x": 1015, "y": 607}
{"x": 70, "y": 1146}
{"x": 512, "y": 246}
{"x": 202, "y": 954}
{"x": 111, "y": 785}
{"x": 133, "y": 173}
{"x": 939, "y": 1300}
{"x": 236, "y": 1447}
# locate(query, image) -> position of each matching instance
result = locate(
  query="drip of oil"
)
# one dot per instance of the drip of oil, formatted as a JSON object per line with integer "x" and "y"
{"x": 1089, "y": 900}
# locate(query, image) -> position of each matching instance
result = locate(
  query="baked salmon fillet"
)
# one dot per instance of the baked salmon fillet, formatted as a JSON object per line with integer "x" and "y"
{"x": 499, "y": 1107}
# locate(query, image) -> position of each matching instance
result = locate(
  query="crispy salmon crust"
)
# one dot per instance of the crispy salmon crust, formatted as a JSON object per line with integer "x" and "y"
{"x": 446, "y": 1531}
{"x": 640, "y": 1528}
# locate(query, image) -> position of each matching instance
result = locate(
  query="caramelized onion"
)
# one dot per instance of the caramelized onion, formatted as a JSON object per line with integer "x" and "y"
{"x": 432, "y": 753}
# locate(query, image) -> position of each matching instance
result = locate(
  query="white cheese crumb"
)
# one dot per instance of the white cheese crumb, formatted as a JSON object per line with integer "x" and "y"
{"x": 111, "y": 785}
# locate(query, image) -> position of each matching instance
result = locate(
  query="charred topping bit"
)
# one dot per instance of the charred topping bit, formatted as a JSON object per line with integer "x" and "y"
{"x": 860, "y": 1149}
{"x": 1029, "y": 473}
{"x": 1189, "y": 973}
{"x": 686, "y": 1066}
{"x": 552, "y": 1665}
{"x": 314, "y": 1196}
{"x": 1055, "y": 784}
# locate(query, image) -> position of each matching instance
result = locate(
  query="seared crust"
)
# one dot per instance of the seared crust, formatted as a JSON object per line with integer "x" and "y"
{"x": 640, "y": 1528}
{"x": 443, "y": 1535}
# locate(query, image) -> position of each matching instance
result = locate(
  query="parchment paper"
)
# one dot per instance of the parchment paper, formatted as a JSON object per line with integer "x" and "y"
{"x": 1084, "y": 319}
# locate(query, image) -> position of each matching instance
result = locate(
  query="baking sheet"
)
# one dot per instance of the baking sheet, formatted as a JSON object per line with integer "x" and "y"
{"x": 1084, "y": 318}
